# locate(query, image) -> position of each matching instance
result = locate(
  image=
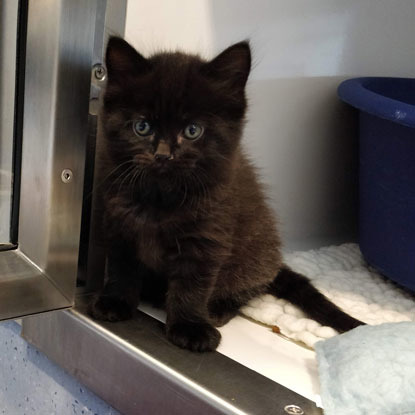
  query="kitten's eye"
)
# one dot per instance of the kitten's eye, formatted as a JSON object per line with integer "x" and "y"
{"x": 193, "y": 131}
{"x": 142, "y": 128}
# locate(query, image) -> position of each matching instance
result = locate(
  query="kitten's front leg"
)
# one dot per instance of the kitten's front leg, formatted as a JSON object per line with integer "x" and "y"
{"x": 187, "y": 321}
{"x": 188, "y": 324}
{"x": 120, "y": 296}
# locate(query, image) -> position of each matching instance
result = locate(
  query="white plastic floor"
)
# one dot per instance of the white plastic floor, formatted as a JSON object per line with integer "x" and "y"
{"x": 265, "y": 352}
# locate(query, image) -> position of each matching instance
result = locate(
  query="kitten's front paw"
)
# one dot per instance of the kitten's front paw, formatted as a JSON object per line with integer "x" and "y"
{"x": 110, "y": 309}
{"x": 197, "y": 337}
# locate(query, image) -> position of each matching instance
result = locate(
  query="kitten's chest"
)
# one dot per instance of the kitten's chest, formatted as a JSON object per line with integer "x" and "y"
{"x": 142, "y": 233}
{"x": 150, "y": 247}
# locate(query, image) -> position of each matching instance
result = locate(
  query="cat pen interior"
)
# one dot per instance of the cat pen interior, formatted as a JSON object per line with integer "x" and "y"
{"x": 302, "y": 138}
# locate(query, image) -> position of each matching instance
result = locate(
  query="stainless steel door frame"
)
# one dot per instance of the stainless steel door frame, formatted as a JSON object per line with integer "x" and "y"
{"x": 60, "y": 51}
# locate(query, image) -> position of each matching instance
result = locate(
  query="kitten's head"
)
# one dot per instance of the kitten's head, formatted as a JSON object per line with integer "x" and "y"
{"x": 175, "y": 117}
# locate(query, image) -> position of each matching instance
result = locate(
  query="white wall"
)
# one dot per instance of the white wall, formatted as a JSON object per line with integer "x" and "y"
{"x": 298, "y": 131}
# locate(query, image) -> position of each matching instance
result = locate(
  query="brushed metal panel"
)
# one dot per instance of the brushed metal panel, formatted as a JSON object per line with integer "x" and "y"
{"x": 60, "y": 50}
{"x": 25, "y": 289}
{"x": 60, "y": 44}
{"x": 134, "y": 368}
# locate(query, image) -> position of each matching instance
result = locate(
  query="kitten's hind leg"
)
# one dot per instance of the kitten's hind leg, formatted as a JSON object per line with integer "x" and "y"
{"x": 298, "y": 290}
{"x": 121, "y": 294}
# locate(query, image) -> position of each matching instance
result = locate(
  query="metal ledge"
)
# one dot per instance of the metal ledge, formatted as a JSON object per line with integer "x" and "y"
{"x": 135, "y": 369}
{"x": 25, "y": 289}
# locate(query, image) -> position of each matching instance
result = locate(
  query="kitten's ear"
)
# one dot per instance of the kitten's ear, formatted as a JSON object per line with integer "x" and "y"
{"x": 232, "y": 66}
{"x": 122, "y": 60}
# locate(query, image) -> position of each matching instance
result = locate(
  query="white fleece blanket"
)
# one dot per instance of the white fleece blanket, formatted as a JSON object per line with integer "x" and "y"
{"x": 341, "y": 274}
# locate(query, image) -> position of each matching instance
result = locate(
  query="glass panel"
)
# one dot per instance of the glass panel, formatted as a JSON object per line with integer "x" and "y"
{"x": 8, "y": 34}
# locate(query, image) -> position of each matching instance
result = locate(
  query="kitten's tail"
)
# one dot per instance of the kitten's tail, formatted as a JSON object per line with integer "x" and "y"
{"x": 298, "y": 290}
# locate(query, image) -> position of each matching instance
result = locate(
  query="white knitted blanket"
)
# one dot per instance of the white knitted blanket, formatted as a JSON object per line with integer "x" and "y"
{"x": 341, "y": 274}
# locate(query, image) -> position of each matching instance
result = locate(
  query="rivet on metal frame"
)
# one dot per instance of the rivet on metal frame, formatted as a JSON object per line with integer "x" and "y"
{"x": 293, "y": 410}
{"x": 99, "y": 72}
{"x": 66, "y": 175}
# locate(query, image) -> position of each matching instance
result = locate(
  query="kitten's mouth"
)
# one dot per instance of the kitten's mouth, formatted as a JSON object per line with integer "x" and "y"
{"x": 161, "y": 167}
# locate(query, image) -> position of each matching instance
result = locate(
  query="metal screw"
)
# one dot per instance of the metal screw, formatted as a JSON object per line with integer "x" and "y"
{"x": 66, "y": 175}
{"x": 293, "y": 410}
{"x": 99, "y": 72}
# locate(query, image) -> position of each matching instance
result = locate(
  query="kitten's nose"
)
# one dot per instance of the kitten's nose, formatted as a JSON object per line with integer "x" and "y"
{"x": 163, "y": 152}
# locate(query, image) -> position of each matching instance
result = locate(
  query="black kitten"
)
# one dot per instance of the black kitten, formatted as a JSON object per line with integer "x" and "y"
{"x": 185, "y": 216}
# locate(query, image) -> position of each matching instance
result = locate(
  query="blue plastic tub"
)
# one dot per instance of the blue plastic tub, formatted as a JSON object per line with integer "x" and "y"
{"x": 387, "y": 173}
